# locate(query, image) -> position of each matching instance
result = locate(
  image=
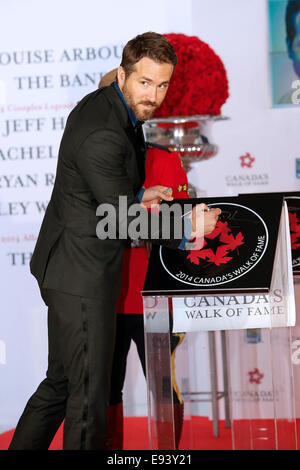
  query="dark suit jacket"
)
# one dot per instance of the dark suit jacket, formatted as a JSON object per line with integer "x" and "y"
{"x": 100, "y": 158}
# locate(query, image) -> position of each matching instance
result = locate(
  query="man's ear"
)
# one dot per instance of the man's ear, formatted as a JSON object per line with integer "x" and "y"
{"x": 121, "y": 77}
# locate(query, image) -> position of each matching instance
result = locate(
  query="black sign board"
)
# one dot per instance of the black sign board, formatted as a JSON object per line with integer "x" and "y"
{"x": 237, "y": 257}
{"x": 293, "y": 203}
{"x": 292, "y": 199}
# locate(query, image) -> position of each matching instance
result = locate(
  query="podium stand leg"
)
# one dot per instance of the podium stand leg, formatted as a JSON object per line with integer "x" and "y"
{"x": 213, "y": 381}
{"x": 283, "y": 389}
{"x": 159, "y": 374}
{"x": 225, "y": 379}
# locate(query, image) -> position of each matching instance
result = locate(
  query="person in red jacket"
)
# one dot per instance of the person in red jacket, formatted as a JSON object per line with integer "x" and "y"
{"x": 162, "y": 167}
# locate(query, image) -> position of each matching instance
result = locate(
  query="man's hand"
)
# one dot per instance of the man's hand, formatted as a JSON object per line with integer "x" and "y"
{"x": 155, "y": 195}
{"x": 204, "y": 220}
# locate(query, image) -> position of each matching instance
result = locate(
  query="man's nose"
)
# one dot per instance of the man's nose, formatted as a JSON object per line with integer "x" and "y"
{"x": 152, "y": 94}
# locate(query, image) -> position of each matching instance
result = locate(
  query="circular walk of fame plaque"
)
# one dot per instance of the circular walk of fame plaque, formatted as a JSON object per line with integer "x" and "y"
{"x": 235, "y": 247}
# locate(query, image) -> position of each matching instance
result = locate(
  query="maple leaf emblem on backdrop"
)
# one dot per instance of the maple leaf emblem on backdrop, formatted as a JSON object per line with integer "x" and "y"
{"x": 228, "y": 244}
{"x": 294, "y": 230}
{"x": 255, "y": 377}
{"x": 247, "y": 160}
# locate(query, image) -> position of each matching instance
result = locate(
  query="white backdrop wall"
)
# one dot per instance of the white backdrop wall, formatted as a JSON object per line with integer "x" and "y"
{"x": 51, "y": 55}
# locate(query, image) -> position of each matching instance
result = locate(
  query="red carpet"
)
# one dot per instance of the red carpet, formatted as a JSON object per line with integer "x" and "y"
{"x": 136, "y": 435}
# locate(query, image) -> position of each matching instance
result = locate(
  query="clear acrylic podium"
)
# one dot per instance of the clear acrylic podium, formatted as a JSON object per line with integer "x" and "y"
{"x": 219, "y": 359}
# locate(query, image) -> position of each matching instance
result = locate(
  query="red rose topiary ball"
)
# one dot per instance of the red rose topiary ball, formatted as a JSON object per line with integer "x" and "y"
{"x": 199, "y": 84}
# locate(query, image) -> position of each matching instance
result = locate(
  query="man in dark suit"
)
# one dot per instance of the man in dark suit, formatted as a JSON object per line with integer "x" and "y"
{"x": 101, "y": 158}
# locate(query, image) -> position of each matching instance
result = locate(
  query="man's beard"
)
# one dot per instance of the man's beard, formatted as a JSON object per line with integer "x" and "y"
{"x": 140, "y": 113}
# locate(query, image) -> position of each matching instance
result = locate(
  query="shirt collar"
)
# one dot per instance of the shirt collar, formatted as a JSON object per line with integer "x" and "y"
{"x": 132, "y": 117}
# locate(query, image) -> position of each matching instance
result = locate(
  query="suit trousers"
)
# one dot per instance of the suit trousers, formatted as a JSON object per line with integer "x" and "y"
{"x": 81, "y": 337}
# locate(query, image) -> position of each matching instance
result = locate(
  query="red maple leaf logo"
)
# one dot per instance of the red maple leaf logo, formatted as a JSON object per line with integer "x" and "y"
{"x": 228, "y": 241}
{"x": 255, "y": 376}
{"x": 247, "y": 160}
{"x": 294, "y": 230}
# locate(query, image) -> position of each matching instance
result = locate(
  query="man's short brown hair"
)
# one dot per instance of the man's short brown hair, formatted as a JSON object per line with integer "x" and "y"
{"x": 151, "y": 45}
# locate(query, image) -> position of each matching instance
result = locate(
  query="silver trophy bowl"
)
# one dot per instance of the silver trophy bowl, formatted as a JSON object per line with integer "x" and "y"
{"x": 190, "y": 136}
